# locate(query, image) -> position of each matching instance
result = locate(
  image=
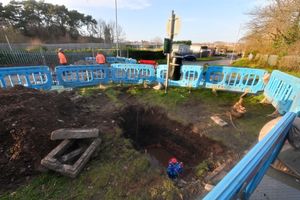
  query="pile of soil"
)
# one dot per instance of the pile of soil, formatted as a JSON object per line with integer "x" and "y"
{"x": 27, "y": 118}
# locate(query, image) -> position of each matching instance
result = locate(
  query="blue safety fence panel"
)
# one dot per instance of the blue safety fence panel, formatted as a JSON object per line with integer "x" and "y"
{"x": 90, "y": 58}
{"x": 82, "y": 75}
{"x": 191, "y": 76}
{"x": 235, "y": 79}
{"x": 283, "y": 91}
{"x": 132, "y": 73}
{"x": 242, "y": 180}
{"x": 38, "y": 77}
{"x": 112, "y": 60}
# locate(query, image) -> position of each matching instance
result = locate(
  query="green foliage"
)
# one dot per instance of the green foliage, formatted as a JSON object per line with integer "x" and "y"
{"x": 202, "y": 168}
{"x": 209, "y": 58}
{"x": 146, "y": 54}
{"x": 37, "y": 19}
{"x": 187, "y": 42}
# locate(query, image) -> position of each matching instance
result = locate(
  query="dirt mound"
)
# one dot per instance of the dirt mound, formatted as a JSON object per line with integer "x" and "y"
{"x": 27, "y": 118}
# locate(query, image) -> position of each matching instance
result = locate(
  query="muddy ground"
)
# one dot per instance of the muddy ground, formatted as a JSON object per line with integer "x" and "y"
{"x": 148, "y": 121}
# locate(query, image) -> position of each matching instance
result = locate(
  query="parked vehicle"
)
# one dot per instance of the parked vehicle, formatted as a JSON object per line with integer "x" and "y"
{"x": 189, "y": 58}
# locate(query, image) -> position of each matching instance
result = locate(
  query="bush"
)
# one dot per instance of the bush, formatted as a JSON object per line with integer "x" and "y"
{"x": 146, "y": 54}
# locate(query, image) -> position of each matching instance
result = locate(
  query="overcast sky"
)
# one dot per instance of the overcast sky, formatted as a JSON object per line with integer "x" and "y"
{"x": 201, "y": 20}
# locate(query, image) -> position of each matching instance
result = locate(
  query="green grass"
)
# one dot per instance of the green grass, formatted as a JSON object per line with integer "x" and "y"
{"x": 244, "y": 62}
{"x": 118, "y": 172}
{"x": 174, "y": 97}
{"x": 209, "y": 58}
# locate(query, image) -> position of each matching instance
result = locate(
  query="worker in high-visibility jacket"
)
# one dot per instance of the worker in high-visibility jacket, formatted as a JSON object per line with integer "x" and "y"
{"x": 62, "y": 57}
{"x": 174, "y": 169}
{"x": 100, "y": 58}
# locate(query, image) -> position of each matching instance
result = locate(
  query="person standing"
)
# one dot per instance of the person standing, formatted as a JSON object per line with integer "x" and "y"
{"x": 61, "y": 57}
{"x": 100, "y": 58}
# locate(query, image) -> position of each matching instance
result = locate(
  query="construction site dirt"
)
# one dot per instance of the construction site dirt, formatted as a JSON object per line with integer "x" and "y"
{"x": 28, "y": 116}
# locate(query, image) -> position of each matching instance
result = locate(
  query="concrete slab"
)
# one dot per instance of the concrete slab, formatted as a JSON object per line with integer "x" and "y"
{"x": 74, "y": 133}
{"x": 54, "y": 162}
{"x": 272, "y": 189}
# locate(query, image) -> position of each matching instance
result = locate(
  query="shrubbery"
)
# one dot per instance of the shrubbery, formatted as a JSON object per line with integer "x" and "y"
{"x": 146, "y": 54}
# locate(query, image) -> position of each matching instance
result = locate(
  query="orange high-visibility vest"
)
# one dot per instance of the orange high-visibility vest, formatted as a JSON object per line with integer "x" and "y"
{"x": 62, "y": 58}
{"x": 100, "y": 59}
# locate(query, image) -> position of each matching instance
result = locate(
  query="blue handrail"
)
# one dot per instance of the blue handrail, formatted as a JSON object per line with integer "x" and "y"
{"x": 247, "y": 174}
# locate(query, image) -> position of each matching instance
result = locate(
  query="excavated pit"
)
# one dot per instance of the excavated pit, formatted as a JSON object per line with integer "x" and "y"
{"x": 151, "y": 131}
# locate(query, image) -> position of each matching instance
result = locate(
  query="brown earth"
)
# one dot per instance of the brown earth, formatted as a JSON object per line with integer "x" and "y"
{"x": 28, "y": 116}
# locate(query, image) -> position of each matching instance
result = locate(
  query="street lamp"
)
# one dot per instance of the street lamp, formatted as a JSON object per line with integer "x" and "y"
{"x": 116, "y": 12}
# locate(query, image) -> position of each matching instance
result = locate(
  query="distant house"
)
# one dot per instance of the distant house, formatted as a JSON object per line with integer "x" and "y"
{"x": 181, "y": 49}
{"x": 201, "y": 50}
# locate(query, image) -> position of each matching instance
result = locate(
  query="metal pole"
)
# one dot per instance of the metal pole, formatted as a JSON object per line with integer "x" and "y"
{"x": 116, "y": 7}
{"x": 168, "y": 55}
{"x": 237, "y": 39}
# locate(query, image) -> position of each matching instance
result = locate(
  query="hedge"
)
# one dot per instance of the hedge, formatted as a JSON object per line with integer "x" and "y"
{"x": 146, "y": 54}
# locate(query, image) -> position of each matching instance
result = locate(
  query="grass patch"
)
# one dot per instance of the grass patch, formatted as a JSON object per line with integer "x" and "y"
{"x": 118, "y": 172}
{"x": 209, "y": 58}
{"x": 244, "y": 62}
{"x": 174, "y": 97}
{"x": 202, "y": 168}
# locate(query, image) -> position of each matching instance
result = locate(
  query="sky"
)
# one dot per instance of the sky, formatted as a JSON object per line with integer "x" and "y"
{"x": 201, "y": 20}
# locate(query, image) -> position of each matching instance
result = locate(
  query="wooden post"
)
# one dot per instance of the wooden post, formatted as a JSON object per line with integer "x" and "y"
{"x": 172, "y": 28}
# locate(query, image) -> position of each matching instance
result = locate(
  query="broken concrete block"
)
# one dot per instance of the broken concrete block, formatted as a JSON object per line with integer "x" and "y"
{"x": 78, "y": 133}
{"x": 51, "y": 161}
{"x": 219, "y": 121}
{"x": 70, "y": 156}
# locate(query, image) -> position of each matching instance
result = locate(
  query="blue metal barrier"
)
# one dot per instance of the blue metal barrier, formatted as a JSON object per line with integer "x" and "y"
{"x": 242, "y": 180}
{"x": 191, "y": 75}
{"x": 132, "y": 73}
{"x": 283, "y": 91}
{"x": 82, "y": 75}
{"x": 234, "y": 79}
{"x": 38, "y": 77}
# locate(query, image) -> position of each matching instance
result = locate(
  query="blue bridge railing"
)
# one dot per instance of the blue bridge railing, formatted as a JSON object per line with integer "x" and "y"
{"x": 283, "y": 91}
{"x": 38, "y": 77}
{"x": 242, "y": 180}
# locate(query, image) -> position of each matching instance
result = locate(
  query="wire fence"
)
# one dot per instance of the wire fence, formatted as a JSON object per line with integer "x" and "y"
{"x": 22, "y": 57}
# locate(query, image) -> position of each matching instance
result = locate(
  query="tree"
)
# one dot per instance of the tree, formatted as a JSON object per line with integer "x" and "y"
{"x": 46, "y": 21}
{"x": 274, "y": 28}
